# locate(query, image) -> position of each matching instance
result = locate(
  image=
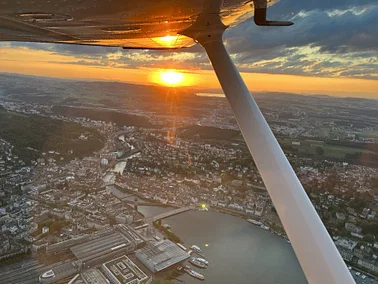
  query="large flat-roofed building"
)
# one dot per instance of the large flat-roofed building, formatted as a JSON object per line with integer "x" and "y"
{"x": 131, "y": 234}
{"x": 161, "y": 255}
{"x": 105, "y": 245}
{"x": 123, "y": 271}
{"x": 95, "y": 249}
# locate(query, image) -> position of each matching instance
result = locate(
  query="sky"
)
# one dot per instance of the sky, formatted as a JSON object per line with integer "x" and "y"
{"x": 331, "y": 49}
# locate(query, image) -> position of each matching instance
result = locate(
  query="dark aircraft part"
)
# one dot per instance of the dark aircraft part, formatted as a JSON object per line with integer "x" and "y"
{"x": 260, "y": 19}
{"x": 261, "y": 7}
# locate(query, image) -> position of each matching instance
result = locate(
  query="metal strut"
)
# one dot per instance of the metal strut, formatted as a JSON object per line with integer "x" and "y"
{"x": 314, "y": 248}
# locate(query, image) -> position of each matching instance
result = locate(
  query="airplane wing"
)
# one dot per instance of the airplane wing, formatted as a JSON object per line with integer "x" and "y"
{"x": 152, "y": 24}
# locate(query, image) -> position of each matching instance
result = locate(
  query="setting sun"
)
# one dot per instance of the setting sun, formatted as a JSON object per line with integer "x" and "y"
{"x": 171, "y": 78}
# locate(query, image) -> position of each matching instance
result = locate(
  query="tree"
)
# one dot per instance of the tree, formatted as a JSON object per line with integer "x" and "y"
{"x": 374, "y": 183}
{"x": 369, "y": 238}
{"x": 320, "y": 151}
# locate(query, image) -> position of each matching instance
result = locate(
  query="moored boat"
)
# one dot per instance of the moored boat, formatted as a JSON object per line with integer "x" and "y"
{"x": 193, "y": 273}
{"x": 197, "y": 263}
{"x": 203, "y": 260}
{"x": 254, "y": 222}
{"x": 195, "y": 248}
{"x": 197, "y": 275}
{"x": 264, "y": 227}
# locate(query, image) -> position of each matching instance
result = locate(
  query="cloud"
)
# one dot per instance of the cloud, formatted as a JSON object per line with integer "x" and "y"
{"x": 322, "y": 43}
{"x": 343, "y": 32}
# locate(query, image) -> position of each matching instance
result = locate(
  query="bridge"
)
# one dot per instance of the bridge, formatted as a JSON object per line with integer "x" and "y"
{"x": 171, "y": 213}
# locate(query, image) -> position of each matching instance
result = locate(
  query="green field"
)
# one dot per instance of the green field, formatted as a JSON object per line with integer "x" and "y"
{"x": 367, "y": 134}
{"x": 309, "y": 147}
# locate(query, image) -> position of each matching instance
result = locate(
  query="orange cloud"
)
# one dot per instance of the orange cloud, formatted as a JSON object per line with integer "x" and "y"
{"x": 46, "y": 63}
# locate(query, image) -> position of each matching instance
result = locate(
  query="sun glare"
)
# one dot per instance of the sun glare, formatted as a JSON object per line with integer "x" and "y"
{"x": 171, "y": 78}
{"x": 166, "y": 41}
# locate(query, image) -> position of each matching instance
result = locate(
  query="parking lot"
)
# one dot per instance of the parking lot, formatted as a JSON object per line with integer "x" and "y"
{"x": 360, "y": 280}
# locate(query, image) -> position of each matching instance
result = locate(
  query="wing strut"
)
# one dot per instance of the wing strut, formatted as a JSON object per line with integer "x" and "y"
{"x": 314, "y": 248}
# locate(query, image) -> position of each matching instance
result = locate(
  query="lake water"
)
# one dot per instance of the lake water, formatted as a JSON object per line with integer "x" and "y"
{"x": 238, "y": 252}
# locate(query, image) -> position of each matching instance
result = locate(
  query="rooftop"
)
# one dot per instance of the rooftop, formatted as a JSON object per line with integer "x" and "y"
{"x": 93, "y": 276}
{"x": 161, "y": 255}
{"x": 122, "y": 270}
{"x": 98, "y": 247}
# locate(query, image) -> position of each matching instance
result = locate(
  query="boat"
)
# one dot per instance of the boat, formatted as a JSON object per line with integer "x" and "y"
{"x": 264, "y": 227}
{"x": 195, "y": 248}
{"x": 203, "y": 260}
{"x": 254, "y": 222}
{"x": 288, "y": 242}
{"x": 197, "y": 263}
{"x": 193, "y": 273}
{"x": 197, "y": 275}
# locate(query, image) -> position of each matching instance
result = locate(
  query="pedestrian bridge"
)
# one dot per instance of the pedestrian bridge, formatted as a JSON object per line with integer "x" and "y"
{"x": 171, "y": 213}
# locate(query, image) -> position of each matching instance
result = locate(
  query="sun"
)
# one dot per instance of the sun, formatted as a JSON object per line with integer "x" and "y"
{"x": 171, "y": 78}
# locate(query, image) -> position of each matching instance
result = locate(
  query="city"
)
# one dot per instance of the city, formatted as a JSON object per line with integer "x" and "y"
{"x": 73, "y": 183}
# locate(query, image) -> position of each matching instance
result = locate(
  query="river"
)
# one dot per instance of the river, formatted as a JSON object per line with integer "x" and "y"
{"x": 238, "y": 252}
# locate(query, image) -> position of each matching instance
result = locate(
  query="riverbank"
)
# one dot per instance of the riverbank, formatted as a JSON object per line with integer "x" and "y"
{"x": 233, "y": 246}
{"x": 272, "y": 227}
{"x": 170, "y": 235}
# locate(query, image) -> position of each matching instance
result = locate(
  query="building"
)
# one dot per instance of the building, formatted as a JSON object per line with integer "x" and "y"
{"x": 364, "y": 213}
{"x": 368, "y": 264}
{"x": 259, "y": 210}
{"x": 93, "y": 276}
{"x": 124, "y": 219}
{"x": 345, "y": 254}
{"x": 371, "y": 216}
{"x": 123, "y": 271}
{"x": 350, "y": 227}
{"x": 161, "y": 255}
{"x": 106, "y": 245}
{"x": 111, "y": 243}
{"x": 346, "y": 244}
{"x": 340, "y": 216}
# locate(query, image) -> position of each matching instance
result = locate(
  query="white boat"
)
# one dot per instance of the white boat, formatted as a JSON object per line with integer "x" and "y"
{"x": 197, "y": 275}
{"x": 264, "y": 227}
{"x": 197, "y": 263}
{"x": 195, "y": 248}
{"x": 254, "y": 222}
{"x": 193, "y": 273}
{"x": 203, "y": 260}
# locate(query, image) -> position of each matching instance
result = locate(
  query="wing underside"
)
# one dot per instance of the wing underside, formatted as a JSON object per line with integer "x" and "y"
{"x": 131, "y": 24}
